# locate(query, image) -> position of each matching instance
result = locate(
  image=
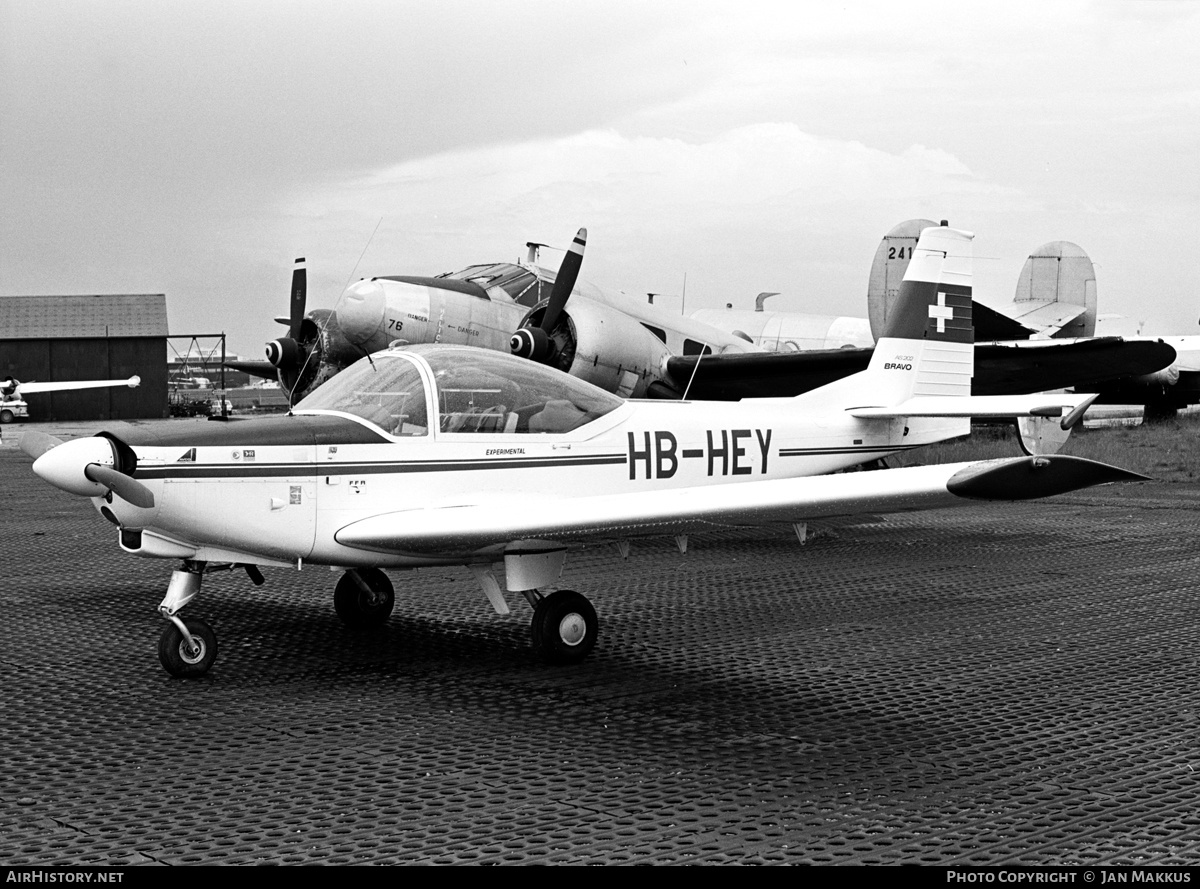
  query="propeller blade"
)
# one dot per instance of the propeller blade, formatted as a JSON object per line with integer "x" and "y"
{"x": 37, "y": 443}
{"x": 564, "y": 283}
{"x": 299, "y": 297}
{"x": 122, "y": 485}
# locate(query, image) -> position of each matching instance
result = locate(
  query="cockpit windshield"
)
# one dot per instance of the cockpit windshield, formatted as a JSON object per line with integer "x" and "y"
{"x": 475, "y": 391}
{"x": 387, "y": 391}
{"x": 520, "y": 284}
{"x": 481, "y": 391}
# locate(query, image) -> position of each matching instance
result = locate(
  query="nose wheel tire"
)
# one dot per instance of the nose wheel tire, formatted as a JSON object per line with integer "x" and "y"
{"x": 365, "y": 601}
{"x": 182, "y": 660}
{"x": 564, "y": 627}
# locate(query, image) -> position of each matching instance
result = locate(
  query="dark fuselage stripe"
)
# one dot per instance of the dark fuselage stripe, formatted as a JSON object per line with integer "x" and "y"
{"x": 279, "y": 470}
{"x": 867, "y": 449}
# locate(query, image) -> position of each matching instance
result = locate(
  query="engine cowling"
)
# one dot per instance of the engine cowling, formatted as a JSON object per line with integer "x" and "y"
{"x": 606, "y": 348}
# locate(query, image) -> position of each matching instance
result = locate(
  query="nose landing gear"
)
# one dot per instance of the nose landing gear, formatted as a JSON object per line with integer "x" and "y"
{"x": 185, "y": 650}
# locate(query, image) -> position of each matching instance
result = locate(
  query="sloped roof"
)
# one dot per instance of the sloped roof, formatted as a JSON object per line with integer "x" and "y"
{"x": 74, "y": 317}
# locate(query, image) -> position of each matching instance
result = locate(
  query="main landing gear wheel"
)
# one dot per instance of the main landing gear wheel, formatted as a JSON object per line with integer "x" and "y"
{"x": 182, "y": 660}
{"x": 364, "y": 598}
{"x": 564, "y": 627}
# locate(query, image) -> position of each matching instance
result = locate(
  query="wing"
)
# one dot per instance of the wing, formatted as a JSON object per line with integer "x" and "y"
{"x": 474, "y": 528}
{"x": 34, "y": 388}
{"x": 731, "y": 376}
{"x": 1000, "y": 368}
{"x": 1040, "y": 365}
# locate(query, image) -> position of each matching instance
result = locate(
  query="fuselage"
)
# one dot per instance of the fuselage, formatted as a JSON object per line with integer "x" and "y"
{"x": 616, "y": 342}
{"x": 446, "y": 427}
{"x": 791, "y": 331}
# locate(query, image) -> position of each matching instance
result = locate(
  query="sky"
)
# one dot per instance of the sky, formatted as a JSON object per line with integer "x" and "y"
{"x": 196, "y": 148}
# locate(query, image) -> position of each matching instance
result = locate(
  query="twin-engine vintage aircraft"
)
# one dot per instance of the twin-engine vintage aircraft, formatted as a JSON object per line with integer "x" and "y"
{"x": 13, "y": 392}
{"x": 605, "y": 338}
{"x": 440, "y": 455}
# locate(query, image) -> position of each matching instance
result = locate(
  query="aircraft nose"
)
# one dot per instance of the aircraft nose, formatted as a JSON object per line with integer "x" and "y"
{"x": 360, "y": 311}
{"x": 65, "y": 466}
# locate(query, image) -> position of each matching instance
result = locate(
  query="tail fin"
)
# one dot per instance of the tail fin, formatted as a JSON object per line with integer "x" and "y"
{"x": 888, "y": 268}
{"x": 1059, "y": 280}
{"x": 922, "y": 366}
{"x": 927, "y": 344}
{"x": 926, "y": 350}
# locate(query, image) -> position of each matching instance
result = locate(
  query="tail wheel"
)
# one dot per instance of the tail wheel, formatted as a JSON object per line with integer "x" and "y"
{"x": 565, "y": 627}
{"x": 364, "y": 598}
{"x": 183, "y": 660}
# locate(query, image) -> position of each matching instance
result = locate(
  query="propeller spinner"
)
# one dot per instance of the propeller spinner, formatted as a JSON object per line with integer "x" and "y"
{"x": 89, "y": 467}
{"x": 534, "y": 341}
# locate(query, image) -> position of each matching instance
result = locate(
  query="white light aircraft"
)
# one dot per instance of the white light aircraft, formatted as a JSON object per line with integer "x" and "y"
{"x": 13, "y": 392}
{"x": 440, "y": 455}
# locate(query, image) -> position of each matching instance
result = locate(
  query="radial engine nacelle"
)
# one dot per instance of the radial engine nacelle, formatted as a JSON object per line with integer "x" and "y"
{"x": 607, "y": 348}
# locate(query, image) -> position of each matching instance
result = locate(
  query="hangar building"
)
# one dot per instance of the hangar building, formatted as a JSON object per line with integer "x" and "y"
{"x": 107, "y": 337}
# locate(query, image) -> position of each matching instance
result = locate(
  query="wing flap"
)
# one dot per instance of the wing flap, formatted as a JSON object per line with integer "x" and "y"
{"x": 475, "y": 528}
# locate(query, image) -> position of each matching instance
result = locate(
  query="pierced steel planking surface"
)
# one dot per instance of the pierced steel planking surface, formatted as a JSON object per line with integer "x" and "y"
{"x": 994, "y": 685}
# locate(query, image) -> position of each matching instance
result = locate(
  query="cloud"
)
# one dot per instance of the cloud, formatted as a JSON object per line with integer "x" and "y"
{"x": 767, "y": 197}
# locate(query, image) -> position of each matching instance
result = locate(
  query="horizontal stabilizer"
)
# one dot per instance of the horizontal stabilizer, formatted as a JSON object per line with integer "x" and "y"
{"x": 1048, "y": 405}
{"x": 1041, "y": 317}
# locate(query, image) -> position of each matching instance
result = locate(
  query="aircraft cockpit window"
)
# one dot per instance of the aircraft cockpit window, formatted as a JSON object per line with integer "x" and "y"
{"x": 481, "y": 392}
{"x": 389, "y": 393}
{"x": 516, "y": 282}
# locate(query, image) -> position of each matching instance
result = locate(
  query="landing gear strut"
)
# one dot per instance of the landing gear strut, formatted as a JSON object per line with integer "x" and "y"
{"x": 364, "y": 597}
{"x": 185, "y": 650}
{"x": 564, "y": 627}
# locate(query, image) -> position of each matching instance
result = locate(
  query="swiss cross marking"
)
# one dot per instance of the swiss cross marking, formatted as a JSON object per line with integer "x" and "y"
{"x": 941, "y": 312}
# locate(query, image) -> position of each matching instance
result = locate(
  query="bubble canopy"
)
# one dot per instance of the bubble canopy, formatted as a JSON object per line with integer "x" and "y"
{"x": 460, "y": 389}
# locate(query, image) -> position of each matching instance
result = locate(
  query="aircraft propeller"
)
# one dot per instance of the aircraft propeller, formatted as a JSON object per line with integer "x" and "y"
{"x": 87, "y": 466}
{"x": 291, "y": 355}
{"x": 534, "y": 341}
{"x": 37, "y": 443}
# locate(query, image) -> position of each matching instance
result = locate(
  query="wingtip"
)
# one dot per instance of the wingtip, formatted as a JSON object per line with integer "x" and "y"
{"x": 1029, "y": 478}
